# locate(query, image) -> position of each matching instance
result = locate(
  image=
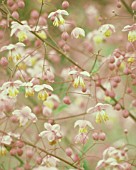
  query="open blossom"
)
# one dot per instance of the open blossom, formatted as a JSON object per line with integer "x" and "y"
{"x": 49, "y": 161}
{"x": 29, "y": 91}
{"x": 132, "y": 32}
{"x": 79, "y": 78}
{"x": 114, "y": 159}
{"x": 22, "y": 31}
{"x": 52, "y": 132}
{"x": 100, "y": 111}
{"x": 41, "y": 89}
{"x": 96, "y": 36}
{"x": 5, "y": 140}
{"x": 57, "y": 17}
{"x": 11, "y": 88}
{"x": 14, "y": 54}
{"x": 78, "y": 33}
{"x": 24, "y": 115}
{"x": 107, "y": 29}
{"x": 45, "y": 168}
{"x": 82, "y": 135}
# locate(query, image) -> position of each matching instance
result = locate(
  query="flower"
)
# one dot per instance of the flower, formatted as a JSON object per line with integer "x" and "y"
{"x": 96, "y": 36}
{"x": 24, "y": 115}
{"x": 22, "y": 30}
{"x": 78, "y": 33}
{"x": 57, "y": 16}
{"x": 132, "y": 32}
{"x": 29, "y": 91}
{"x": 49, "y": 161}
{"x": 42, "y": 95}
{"x": 11, "y": 88}
{"x": 14, "y": 54}
{"x": 5, "y": 140}
{"x": 107, "y": 29}
{"x": 101, "y": 114}
{"x": 45, "y": 168}
{"x": 82, "y": 135}
{"x": 113, "y": 158}
{"x": 52, "y": 133}
{"x": 78, "y": 80}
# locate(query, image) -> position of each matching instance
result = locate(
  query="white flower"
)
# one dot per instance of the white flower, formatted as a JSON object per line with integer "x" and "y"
{"x": 15, "y": 135}
{"x": 49, "y": 161}
{"x": 11, "y": 88}
{"x": 42, "y": 95}
{"x": 132, "y": 32}
{"x": 83, "y": 124}
{"x": 78, "y": 33}
{"x": 45, "y": 168}
{"x": 52, "y": 133}
{"x": 100, "y": 112}
{"x": 14, "y": 53}
{"x": 24, "y": 115}
{"x": 107, "y": 29}
{"x": 5, "y": 139}
{"x": 57, "y": 15}
{"x": 22, "y": 31}
{"x": 78, "y": 78}
{"x": 29, "y": 91}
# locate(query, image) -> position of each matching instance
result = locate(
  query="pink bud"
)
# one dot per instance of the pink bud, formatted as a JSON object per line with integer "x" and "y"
{"x": 125, "y": 113}
{"x": 19, "y": 152}
{"x": 13, "y": 152}
{"x": 21, "y": 4}
{"x": 39, "y": 160}
{"x": 37, "y": 110}
{"x": 14, "y": 119}
{"x": 66, "y": 100}
{"x": 27, "y": 166}
{"x": 65, "y": 4}
{"x": 3, "y": 61}
{"x": 19, "y": 144}
{"x": 35, "y": 14}
{"x": 95, "y": 136}
{"x": 112, "y": 60}
{"x": 117, "y": 79}
{"x": 29, "y": 153}
{"x": 69, "y": 152}
{"x": 133, "y": 5}
{"x": 129, "y": 90}
{"x": 112, "y": 94}
{"x": 117, "y": 106}
{"x": 66, "y": 47}
{"x": 102, "y": 136}
{"x": 75, "y": 158}
{"x": 42, "y": 21}
{"x": 38, "y": 43}
{"x": 14, "y": 7}
{"x": 111, "y": 66}
{"x": 65, "y": 36}
{"x": 15, "y": 15}
{"x": 84, "y": 89}
{"x": 118, "y": 4}
{"x": 10, "y": 3}
{"x": 61, "y": 43}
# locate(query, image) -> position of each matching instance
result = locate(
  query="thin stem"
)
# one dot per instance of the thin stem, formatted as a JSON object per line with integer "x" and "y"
{"x": 127, "y": 7}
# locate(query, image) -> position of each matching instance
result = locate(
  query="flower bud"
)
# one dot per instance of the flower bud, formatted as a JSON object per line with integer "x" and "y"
{"x": 66, "y": 100}
{"x": 95, "y": 136}
{"x": 102, "y": 136}
{"x": 69, "y": 152}
{"x": 65, "y": 4}
{"x": 3, "y": 61}
{"x": 133, "y": 5}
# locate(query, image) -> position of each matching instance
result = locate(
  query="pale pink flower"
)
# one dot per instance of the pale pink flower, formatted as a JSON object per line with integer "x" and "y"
{"x": 100, "y": 111}
{"x": 52, "y": 132}
{"x": 107, "y": 29}
{"x": 78, "y": 33}
{"x": 24, "y": 115}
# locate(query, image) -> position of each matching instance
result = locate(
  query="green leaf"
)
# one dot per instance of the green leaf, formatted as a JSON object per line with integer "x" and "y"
{"x": 60, "y": 109}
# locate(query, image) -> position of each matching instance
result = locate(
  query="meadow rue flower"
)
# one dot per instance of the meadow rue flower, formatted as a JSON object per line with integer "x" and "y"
{"x": 22, "y": 31}
{"x": 29, "y": 91}
{"x": 79, "y": 78}
{"x": 78, "y": 33}
{"x": 52, "y": 132}
{"x": 40, "y": 30}
{"x": 11, "y": 88}
{"x": 5, "y": 140}
{"x": 113, "y": 159}
{"x": 14, "y": 54}
{"x": 45, "y": 168}
{"x": 107, "y": 29}
{"x": 131, "y": 33}
{"x": 82, "y": 135}
{"x": 42, "y": 95}
{"x": 57, "y": 17}
{"x": 24, "y": 115}
{"x": 49, "y": 161}
{"x": 96, "y": 36}
{"x": 100, "y": 111}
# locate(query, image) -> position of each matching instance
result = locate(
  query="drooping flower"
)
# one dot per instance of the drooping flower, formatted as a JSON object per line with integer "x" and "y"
{"x": 41, "y": 89}
{"x": 100, "y": 111}
{"x": 29, "y": 91}
{"x": 57, "y": 17}
{"x": 131, "y": 32}
{"x": 21, "y": 30}
{"x": 96, "y": 36}
{"x": 24, "y": 115}
{"x": 78, "y": 33}
{"x": 79, "y": 78}
{"x": 52, "y": 132}
{"x": 107, "y": 29}
{"x": 14, "y": 54}
{"x": 82, "y": 135}
{"x": 112, "y": 159}
{"x": 11, "y": 88}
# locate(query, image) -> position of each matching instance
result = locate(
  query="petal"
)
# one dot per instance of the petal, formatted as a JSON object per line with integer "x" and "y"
{"x": 48, "y": 126}
{"x": 85, "y": 73}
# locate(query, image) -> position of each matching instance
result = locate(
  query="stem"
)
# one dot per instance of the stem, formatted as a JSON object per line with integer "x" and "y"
{"x": 127, "y": 7}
